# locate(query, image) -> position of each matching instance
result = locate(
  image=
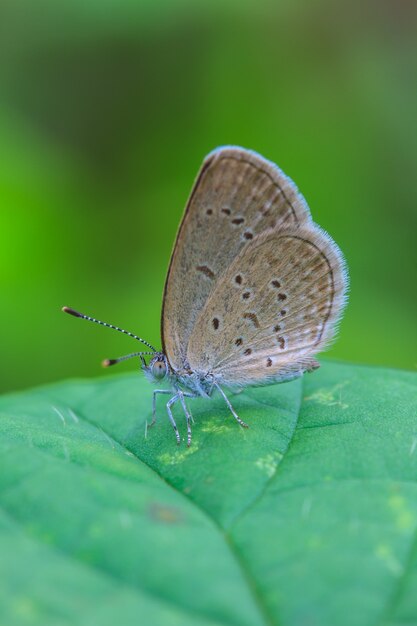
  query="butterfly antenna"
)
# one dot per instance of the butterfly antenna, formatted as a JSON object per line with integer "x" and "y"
{"x": 108, "y": 362}
{"x": 70, "y": 311}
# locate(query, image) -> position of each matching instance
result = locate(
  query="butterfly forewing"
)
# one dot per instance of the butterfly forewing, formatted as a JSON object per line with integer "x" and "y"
{"x": 275, "y": 307}
{"x": 237, "y": 195}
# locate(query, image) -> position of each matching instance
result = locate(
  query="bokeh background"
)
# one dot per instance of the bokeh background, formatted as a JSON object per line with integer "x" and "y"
{"x": 107, "y": 109}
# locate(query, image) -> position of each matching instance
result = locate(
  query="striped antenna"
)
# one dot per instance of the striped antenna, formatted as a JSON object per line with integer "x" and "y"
{"x": 108, "y": 362}
{"x": 68, "y": 309}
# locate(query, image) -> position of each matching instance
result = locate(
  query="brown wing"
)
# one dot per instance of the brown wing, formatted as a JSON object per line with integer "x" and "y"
{"x": 237, "y": 195}
{"x": 275, "y": 307}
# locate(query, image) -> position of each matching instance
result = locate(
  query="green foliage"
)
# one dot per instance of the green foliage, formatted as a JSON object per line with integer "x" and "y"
{"x": 309, "y": 517}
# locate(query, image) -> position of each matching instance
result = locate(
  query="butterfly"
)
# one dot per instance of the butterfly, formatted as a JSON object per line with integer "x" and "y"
{"x": 254, "y": 287}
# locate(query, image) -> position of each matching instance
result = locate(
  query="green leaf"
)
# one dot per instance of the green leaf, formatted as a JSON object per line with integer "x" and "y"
{"x": 308, "y": 517}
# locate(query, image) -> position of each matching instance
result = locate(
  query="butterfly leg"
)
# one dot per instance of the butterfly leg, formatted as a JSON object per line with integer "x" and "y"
{"x": 187, "y": 394}
{"x": 188, "y": 415}
{"x": 169, "y": 404}
{"x": 235, "y": 415}
{"x": 155, "y": 393}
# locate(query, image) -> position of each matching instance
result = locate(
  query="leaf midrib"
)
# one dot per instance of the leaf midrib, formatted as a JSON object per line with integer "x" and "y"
{"x": 258, "y": 497}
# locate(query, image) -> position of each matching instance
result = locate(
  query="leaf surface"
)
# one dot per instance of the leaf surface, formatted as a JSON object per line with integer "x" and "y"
{"x": 308, "y": 517}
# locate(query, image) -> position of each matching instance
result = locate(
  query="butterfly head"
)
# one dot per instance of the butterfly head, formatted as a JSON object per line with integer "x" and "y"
{"x": 158, "y": 368}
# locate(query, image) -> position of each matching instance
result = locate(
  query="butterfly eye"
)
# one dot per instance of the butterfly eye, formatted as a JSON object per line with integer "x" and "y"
{"x": 159, "y": 369}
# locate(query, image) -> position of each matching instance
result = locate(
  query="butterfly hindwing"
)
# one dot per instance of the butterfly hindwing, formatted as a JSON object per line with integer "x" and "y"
{"x": 273, "y": 309}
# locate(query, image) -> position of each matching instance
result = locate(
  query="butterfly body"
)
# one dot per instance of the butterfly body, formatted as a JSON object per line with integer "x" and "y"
{"x": 254, "y": 287}
{"x": 197, "y": 383}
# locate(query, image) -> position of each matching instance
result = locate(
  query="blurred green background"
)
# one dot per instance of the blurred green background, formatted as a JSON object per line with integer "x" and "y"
{"x": 107, "y": 109}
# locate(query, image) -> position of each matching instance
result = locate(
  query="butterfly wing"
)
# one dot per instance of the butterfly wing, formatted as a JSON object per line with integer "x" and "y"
{"x": 237, "y": 195}
{"x": 276, "y": 306}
